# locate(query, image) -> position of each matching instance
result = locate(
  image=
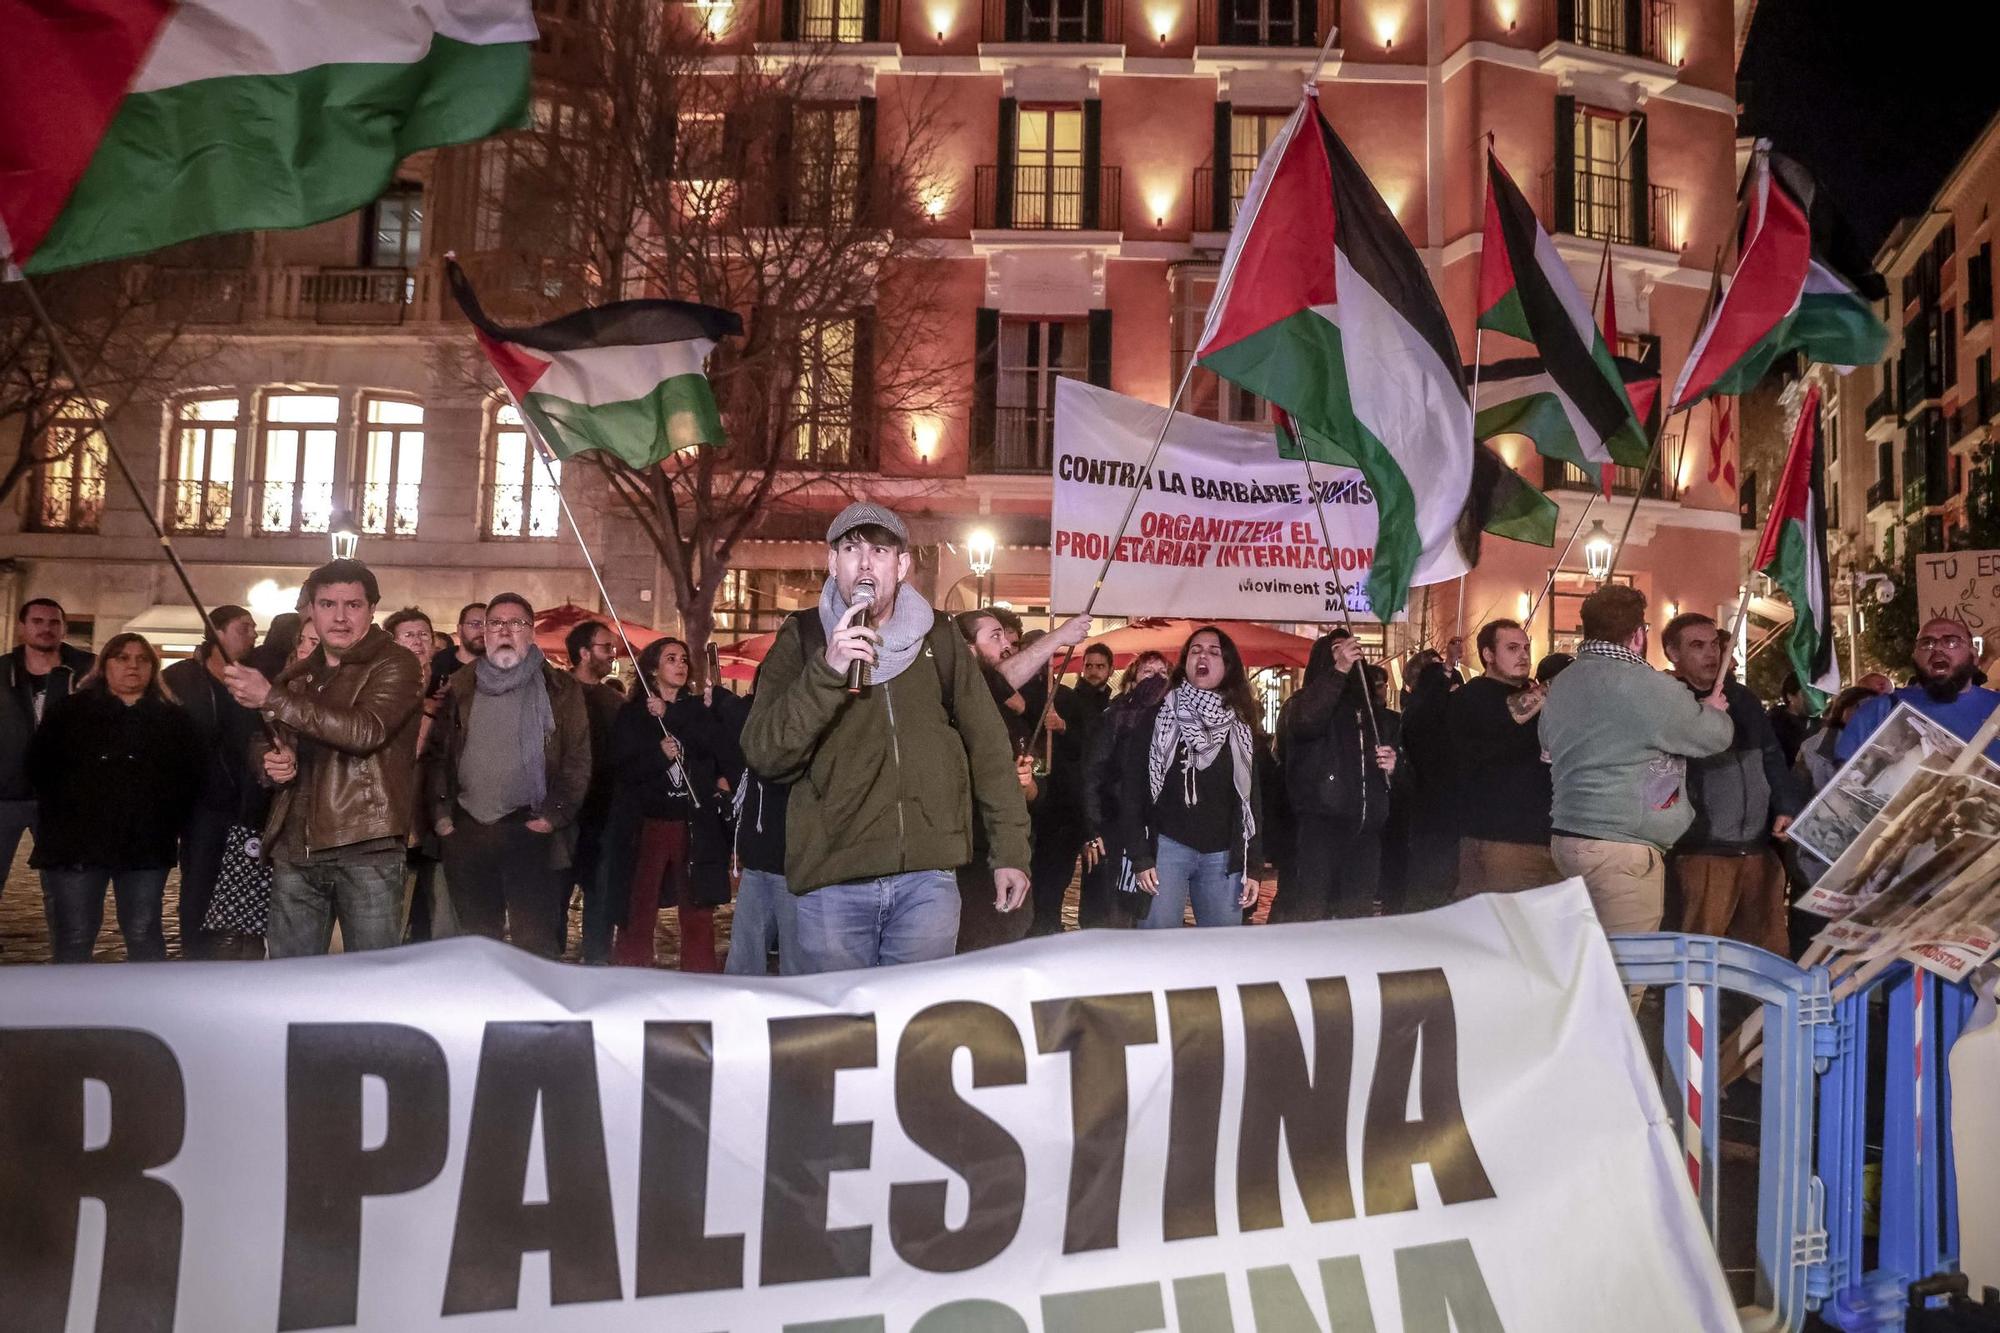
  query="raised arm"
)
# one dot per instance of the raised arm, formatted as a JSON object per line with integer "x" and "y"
{"x": 389, "y": 694}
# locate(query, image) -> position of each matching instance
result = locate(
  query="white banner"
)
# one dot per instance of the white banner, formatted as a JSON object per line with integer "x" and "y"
{"x": 1442, "y": 1122}
{"x": 1225, "y": 528}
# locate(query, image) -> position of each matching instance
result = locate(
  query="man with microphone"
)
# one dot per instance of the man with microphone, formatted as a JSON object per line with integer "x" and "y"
{"x": 872, "y": 707}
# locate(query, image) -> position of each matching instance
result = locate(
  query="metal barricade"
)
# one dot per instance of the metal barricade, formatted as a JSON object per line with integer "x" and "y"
{"x": 1799, "y": 1037}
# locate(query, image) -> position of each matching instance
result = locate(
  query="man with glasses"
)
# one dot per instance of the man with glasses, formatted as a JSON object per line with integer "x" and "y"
{"x": 471, "y": 646}
{"x": 1619, "y": 736}
{"x": 513, "y": 768}
{"x": 1942, "y": 692}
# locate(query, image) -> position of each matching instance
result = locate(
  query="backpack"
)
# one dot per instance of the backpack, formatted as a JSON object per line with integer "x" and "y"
{"x": 812, "y": 643}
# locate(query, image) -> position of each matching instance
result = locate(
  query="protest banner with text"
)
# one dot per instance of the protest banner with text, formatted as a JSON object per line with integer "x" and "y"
{"x": 1431, "y": 1123}
{"x": 1224, "y": 528}
{"x": 1960, "y": 585}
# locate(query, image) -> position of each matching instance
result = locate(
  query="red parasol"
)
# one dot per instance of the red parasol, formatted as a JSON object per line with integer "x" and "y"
{"x": 1260, "y": 645}
{"x": 553, "y": 626}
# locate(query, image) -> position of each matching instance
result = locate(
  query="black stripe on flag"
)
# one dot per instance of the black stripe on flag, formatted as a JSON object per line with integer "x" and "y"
{"x": 1822, "y": 663}
{"x": 619, "y": 324}
{"x": 1366, "y": 231}
{"x": 1563, "y": 350}
{"x": 1833, "y": 242}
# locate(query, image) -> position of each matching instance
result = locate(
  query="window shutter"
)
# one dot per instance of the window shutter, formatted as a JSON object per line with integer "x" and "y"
{"x": 864, "y": 436}
{"x": 1635, "y": 168}
{"x": 864, "y": 143}
{"x": 783, "y": 156}
{"x": 1222, "y": 181}
{"x": 1003, "y": 183}
{"x": 1565, "y": 160}
{"x": 985, "y": 387}
{"x": 1093, "y": 134}
{"x": 1565, "y": 21}
{"x": 871, "y": 20}
{"x": 793, "y": 27}
{"x": 1099, "y": 371}
{"x": 1635, "y": 27}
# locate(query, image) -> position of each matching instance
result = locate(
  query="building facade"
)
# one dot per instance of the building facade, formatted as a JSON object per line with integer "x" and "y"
{"x": 1095, "y": 153}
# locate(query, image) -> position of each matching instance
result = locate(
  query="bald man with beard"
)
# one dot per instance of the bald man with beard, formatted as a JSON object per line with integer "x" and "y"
{"x": 1943, "y": 691}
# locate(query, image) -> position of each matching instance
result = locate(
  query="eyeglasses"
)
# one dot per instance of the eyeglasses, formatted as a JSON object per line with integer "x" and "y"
{"x": 1951, "y": 643}
{"x": 510, "y": 626}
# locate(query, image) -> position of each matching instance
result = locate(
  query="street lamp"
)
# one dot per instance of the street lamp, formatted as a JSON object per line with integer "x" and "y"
{"x": 979, "y": 551}
{"x": 346, "y": 536}
{"x": 1597, "y": 552}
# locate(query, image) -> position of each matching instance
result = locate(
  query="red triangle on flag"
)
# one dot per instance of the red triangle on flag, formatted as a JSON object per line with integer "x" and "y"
{"x": 1285, "y": 261}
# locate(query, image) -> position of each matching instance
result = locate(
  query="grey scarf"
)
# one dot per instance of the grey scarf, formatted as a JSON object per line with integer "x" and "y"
{"x": 903, "y": 634}
{"x": 537, "y": 720}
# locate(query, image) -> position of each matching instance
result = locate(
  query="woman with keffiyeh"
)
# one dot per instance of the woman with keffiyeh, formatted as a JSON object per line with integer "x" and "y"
{"x": 1190, "y": 798}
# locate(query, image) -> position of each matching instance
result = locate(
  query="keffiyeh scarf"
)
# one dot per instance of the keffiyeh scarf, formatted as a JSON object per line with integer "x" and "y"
{"x": 1194, "y": 725}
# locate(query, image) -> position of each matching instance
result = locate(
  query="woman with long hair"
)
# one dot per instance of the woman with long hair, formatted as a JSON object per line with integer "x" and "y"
{"x": 1189, "y": 799}
{"x": 667, "y": 801}
{"x": 116, "y": 767}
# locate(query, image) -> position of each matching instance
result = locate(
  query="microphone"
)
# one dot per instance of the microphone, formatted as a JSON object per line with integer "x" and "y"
{"x": 857, "y": 670}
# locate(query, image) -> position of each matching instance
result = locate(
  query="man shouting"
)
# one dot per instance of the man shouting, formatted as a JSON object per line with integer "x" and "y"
{"x": 889, "y": 776}
{"x": 1943, "y": 691}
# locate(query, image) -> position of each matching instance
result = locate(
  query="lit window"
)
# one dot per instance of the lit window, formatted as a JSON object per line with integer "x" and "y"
{"x": 67, "y": 494}
{"x": 394, "y": 466}
{"x": 300, "y": 435}
{"x": 202, "y": 464}
{"x": 523, "y": 497}
{"x": 823, "y": 396}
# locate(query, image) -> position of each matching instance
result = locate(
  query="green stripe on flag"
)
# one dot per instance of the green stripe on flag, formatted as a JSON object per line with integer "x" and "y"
{"x": 679, "y": 414}
{"x": 1519, "y": 512}
{"x": 248, "y": 152}
{"x": 1835, "y": 329}
{"x": 1507, "y": 315}
{"x": 1540, "y": 417}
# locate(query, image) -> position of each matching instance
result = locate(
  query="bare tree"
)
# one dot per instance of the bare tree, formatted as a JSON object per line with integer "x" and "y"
{"x": 765, "y": 185}
{"x": 123, "y": 324}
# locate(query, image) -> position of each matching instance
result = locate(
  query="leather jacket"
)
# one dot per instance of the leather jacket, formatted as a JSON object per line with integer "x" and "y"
{"x": 355, "y": 726}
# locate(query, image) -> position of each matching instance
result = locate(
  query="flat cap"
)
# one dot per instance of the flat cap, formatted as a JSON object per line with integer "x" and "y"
{"x": 861, "y": 514}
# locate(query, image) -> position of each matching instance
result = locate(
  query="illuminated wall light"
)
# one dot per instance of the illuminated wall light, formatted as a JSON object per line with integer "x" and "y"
{"x": 941, "y": 18}
{"x": 1509, "y": 12}
{"x": 934, "y": 202}
{"x": 716, "y": 15}
{"x": 1525, "y": 608}
{"x": 1673, "y": 609}
{"x": 1385, "y": 29}
{"x": 1162, "y": 23}
{"x": 1395, "y": 196}
{"x": 1160, "y": 201}
{"x": 925, "y": 433}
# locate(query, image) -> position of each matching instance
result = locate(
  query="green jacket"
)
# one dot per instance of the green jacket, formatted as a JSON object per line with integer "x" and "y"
{"x": 1619, "y": 736}
{"x": 886, "y": 781}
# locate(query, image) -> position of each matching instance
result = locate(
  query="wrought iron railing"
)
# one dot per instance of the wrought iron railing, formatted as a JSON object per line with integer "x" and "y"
{"x": 285, "y": 507}
{"x": 1274, "y": 23}
{"x": 842, "y": 21}
{"x": 389, "y": 509}
{"x": 1603, "y": 206}
{"x": 1881, "y": 491}
{"x": 66, "y": 504}
{"x": 1069, "y": 21}
{"x": 1033, "y": 196}
{"x": 1219, "y": 214}
{"x": 514, "y": 510}
{"x": 360, "y": 295}
{"x": 199, "y": 506}
{"x": 1649, "y": 29}
{"x": 1881, "y": 405}
{"x": 1561, "y": 475}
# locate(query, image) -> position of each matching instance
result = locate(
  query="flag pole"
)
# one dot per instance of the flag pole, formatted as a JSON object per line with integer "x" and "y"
{"x": 1333, "y": 570}
{"x": 67, "y": 363}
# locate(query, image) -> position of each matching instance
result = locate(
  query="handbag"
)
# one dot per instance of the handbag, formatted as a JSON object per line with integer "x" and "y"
{"x": 241, "y": 903}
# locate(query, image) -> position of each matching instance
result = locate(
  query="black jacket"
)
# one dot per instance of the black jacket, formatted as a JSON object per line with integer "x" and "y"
{"x": 1104, "y": 756}
{"x": 115, "y": 781}
{"x": 1139, "y": 833}
{"x": 642, "y": 789}
{"x": 17, "y": 711}
{"x": 1736, "y": 794}
{"x": 225, "y": 727}
{"x": 1501, "y": 787}
{"x": 1326, "y": 749}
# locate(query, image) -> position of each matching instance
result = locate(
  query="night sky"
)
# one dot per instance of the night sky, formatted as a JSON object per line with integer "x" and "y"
{"x": 1878, "y": 100}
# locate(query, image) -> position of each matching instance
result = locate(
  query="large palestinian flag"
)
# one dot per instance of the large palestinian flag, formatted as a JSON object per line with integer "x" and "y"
{"x": 1801, "y": 284}
{"x": 129, "y": 125}
{"x": 1793, "y": 554}
{"x": 627, "y": 378}
{"x": 1324, "y": 309}
{"x": 1578, "y": 409}
{"x": 1521, "y": 396}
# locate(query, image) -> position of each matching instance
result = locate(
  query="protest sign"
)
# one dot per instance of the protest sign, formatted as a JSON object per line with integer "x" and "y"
{"x": 1432, "y": 1123}
{"x": 1960, "y": 585}
{"x": 1224, "y": 527}
{"x": 1906, "y": 743}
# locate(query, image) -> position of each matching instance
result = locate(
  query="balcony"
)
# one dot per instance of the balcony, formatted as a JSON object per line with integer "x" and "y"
{"x": 1881, "y": 493}
{"x": 1071, "y": 22}
{"x": 1922, "y": 386}
{"x": 1211, "y": 213}
{"x": 1649, "y": 30}
{"x": 199, "y": 507}
{"x": 1978, "y": 310}
{"x": 1600, "y": 206}
{"x": 286, "y": 508}
{"x": 1880, "y": 414}
{"x": 842, "y": 22}
{"x": 294, "y": 294}
{"x": 1965, "y": 424}
{"x": 389, "y": 509}
{"x": 1560, "y": 475}
{"x": 358, "y": 295}
{"x": 1021, "y": 439}
{"x": 1037, "y": 197}
{"x": 1257, "y": 23}
{"x": 66, "y": 504}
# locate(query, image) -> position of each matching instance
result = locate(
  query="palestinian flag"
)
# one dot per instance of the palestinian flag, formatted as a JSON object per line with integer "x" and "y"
{"x": 626, "y": 378}
{"x": 1502, "y": 501}
{"x": 1793, "y": 554}
{"x": 1801, "y": 285}
{"x": 1579, "y": 409}
{"x": 130, "y": 125}
{"x": 1520, "y": 396}
{"x": 1325, "y": 310}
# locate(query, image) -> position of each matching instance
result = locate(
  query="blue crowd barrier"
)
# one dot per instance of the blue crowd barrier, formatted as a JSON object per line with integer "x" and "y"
{"x": 1821, "y": 1095}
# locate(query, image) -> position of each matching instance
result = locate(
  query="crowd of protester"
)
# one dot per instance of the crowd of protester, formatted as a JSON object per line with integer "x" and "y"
{"x": 898, "y": 785}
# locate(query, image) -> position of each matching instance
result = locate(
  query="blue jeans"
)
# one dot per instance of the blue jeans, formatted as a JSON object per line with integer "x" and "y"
{"x": 906, "y": 918}
{"x": 73, "y": 901}
{"x": 1201, "y": 877}
{"x": 365, "y": 893}
{"x": 766, "y": 914}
